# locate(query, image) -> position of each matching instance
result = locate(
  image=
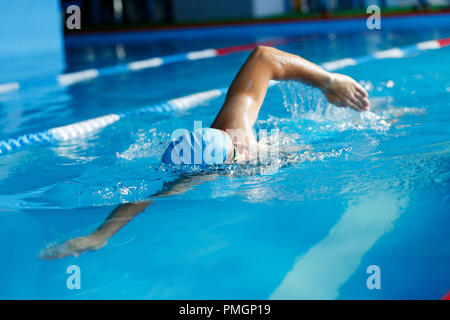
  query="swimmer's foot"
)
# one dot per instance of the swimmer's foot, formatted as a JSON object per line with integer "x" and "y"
{"x": 73, "y": 247}
{"x": 343, "y": 91}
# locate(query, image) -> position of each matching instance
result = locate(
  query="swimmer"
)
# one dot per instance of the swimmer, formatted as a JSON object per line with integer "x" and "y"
{"x": 237, "y": 115}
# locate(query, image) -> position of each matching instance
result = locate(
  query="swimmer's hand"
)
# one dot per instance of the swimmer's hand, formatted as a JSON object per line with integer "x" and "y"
{"x": 73, "y": 247}
{"x": 343, "y": 91}
{"x": 119, "y": 217}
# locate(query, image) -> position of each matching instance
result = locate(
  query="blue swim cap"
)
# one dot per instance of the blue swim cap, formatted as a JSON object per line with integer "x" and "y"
{"x": 204, "y": 146}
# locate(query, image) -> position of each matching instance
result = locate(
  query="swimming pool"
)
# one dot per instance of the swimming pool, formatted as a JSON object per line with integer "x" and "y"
{"x": 358, "y": 190}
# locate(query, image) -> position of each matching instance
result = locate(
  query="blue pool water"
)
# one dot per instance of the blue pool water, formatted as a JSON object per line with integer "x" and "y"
{"x": 354, "y": 190}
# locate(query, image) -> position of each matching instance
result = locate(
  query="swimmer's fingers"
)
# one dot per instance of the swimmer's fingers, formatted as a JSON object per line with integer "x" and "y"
{"x": 361, "y": 102}
{"x": 353, "y": 105}
{"x": 366, "y": 103}
{"x": 360, "y": 94}
{"x": 361, "y": 90}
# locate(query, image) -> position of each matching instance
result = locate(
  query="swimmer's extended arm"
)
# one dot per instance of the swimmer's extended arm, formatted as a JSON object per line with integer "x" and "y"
{"x": 118, "y": 218}
{"x": 247, "y": 92}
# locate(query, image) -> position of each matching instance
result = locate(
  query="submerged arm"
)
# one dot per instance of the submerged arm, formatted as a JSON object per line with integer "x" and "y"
{"x": 118, "y": 218}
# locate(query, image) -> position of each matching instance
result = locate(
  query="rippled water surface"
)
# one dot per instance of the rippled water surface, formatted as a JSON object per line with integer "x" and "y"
{"x": 351, "y": 190}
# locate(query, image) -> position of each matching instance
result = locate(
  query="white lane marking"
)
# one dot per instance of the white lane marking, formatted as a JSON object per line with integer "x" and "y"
{"x": 320, "y": 272}
{"x": 144, "y": 64}
{"x": 71, "y": 78}
{"x": 8, "y": 87}
{"x": 426, "y": 45}
{"x": 203, "y": 54}
{"x": 81, "y": 128}
{"x": 338, "y": 64}
{"x": 391, "y": 53}
{"x": 194, "y": 99}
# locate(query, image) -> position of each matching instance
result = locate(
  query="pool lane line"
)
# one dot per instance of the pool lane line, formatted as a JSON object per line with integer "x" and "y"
{"x": 68, "y": 79}
{"x": 393, "y": 53}
{"x": 79, "y": 129}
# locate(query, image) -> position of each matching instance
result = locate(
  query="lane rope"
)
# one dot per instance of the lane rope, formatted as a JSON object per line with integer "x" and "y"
{"x": 79, "y": 129}
{"x": 82, "y": 128}
{"x": 68, "y": 79}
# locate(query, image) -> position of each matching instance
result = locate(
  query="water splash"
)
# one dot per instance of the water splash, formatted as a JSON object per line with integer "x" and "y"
{"x": 148, "y": 143}
{"x": 313, "y": 132}
{"x": 309, "y": 109}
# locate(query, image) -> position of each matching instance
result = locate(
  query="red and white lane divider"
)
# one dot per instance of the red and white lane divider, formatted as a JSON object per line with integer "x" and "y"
{"x": 69, "y": 79}
{"x": 393, "y": 53}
